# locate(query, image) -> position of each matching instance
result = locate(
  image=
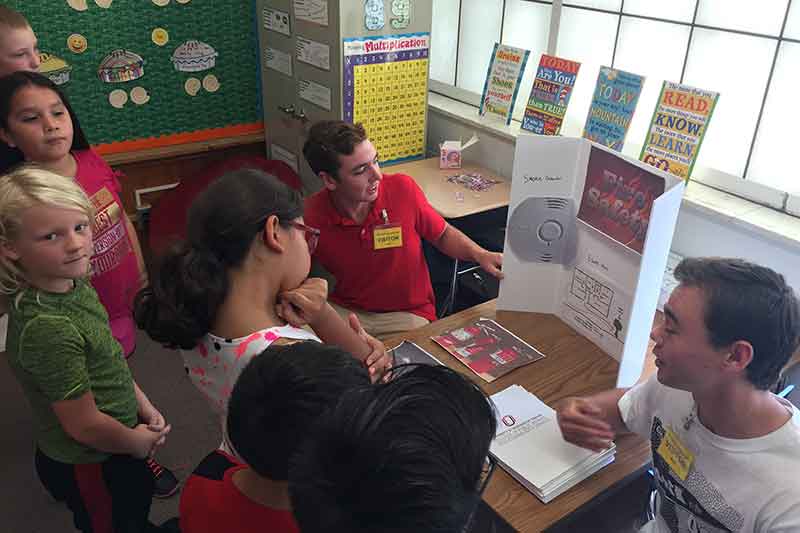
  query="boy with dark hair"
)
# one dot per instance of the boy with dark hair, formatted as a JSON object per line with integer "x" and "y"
{"x": 277, "y": 397}
{"x": 372, "y": 226}
{"x": 725, "y": 449}
{"x": 406, "y": 456}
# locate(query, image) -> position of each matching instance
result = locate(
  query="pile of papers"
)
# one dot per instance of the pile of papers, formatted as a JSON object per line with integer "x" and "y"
{"x": 529, "y": 446}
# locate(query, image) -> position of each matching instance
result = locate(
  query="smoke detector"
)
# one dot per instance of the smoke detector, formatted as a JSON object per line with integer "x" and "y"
{"x": 542, "y": 230}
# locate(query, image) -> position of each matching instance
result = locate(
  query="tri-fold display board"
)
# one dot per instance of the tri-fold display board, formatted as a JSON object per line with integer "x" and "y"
{"x": 587, "y": 239}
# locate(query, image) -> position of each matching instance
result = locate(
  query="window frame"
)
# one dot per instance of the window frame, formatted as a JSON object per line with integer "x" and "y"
{"x": 788, "y": 202}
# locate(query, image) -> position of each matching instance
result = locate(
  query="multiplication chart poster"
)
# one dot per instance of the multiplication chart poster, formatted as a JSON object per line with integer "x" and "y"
{"x": 385, "y": 89}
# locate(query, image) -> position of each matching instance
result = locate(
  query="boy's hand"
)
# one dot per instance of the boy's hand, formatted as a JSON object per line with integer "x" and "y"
{"x": 153, "y": 418}
{"x": 378, "y": 362}
{"x": 302, "y": 305}
{"x": 582, "y": 424}
{"x": 148, "y": 440}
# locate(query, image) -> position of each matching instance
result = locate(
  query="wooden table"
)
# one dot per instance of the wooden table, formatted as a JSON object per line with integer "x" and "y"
{"x": 454, "y": 201}
{"x": 442, "y": 194}
{"x": 572, "y": 366}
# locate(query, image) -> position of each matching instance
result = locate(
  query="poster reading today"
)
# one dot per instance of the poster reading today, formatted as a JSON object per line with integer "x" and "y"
{"x": 676, "y": 131}
{"x": 615, "y": 97}
{"x": 550, "y": 94}
{"x": 502, "y": 81}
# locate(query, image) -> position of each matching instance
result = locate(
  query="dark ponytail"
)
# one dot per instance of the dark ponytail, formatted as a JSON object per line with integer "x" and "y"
{"x": 191, "y": 281}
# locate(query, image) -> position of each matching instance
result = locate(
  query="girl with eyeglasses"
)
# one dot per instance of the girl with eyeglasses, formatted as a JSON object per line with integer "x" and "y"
{"x": 240, "y": 283}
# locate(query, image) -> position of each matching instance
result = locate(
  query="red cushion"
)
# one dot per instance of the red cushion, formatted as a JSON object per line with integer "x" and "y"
{"x": 168, "y": 216}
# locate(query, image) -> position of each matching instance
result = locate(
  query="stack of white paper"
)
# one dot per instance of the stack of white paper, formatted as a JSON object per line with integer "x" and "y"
{"x": 529, "y": 446}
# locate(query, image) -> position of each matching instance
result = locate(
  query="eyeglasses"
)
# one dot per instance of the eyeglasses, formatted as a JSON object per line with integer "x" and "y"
{"x": 311, "y": 234}
{"x": 489, "y": 466}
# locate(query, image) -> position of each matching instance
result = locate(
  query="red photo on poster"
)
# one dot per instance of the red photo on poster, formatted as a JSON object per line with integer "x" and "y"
{"x": 618, "y": 197}
{"x": 488, "y": 349}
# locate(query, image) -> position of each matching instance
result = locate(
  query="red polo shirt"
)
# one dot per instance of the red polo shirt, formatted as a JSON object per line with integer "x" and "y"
{"x": 390, "y": 279}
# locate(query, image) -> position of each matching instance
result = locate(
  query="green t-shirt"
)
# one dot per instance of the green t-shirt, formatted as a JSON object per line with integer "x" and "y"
{"x": 60, "y": 347}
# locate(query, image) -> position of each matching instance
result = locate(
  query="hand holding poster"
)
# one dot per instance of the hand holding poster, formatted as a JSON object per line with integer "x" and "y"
{"x": 677, "y": 129}
{"x": 502, "y": 81}
{"x": 550, "y": 94}
{"x": 615, "y": 97}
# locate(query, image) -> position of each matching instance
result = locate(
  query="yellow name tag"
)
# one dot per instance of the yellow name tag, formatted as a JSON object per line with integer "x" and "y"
{"x": 388, "y": 237}
{"x": 676, "y": 454}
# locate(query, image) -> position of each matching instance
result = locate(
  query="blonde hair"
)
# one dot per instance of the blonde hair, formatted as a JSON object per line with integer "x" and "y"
{"x": 21, "y": 189}
{"x": 12, "y": 19}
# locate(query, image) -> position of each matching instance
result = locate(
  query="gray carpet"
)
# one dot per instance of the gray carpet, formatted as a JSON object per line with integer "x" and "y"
{"x": 27, "y": 508}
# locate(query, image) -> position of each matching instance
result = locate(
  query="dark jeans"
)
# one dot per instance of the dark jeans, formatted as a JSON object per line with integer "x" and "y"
{"x": 109, "y": 497}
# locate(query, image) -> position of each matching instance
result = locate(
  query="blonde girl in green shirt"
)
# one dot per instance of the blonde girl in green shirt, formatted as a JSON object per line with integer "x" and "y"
{"x": 95, "y": 427}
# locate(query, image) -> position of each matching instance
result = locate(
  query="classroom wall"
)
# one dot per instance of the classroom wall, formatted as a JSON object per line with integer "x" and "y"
{"x": 698, "y": 232}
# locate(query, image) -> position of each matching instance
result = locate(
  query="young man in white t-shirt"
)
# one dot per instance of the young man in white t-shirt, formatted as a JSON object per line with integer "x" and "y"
{"x": 726, "y": 451}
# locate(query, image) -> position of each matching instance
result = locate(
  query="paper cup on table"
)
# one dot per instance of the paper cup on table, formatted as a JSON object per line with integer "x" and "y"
{"x": 118, "y": 98}
{"x": 192, "y": 86}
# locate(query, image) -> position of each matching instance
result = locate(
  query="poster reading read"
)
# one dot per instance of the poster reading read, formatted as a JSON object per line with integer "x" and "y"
{"x": 550, "y": 94}
{"x": 615, "y": 97}
{"x": 502, "y": 81}
{"x": 385, "y": 87}
{"x": 618, "y": 197}
{"x": 677, "y": 129}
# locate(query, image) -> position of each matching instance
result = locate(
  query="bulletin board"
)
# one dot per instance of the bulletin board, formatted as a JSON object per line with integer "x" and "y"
{"x": 385, "y": 88}
{"x": 197, "y": 79}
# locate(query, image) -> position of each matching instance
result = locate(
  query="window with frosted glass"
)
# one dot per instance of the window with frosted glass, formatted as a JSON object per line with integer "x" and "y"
{"x": 526, "y": 25}
{"x": 588, "y": 37}
{"x": 444, "y": 41}
{"x": 480, "y": 29}
{"x": 637, "y": 37}
{"x": 776, "y": 142}
{"x": 765, "y": 16}
{"x": 677, "y": 10}
{"x": 737, "y": 66}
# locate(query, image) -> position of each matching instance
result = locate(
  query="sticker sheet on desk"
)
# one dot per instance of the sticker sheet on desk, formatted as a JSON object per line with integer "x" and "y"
{"x": 607, "y": 285}
{"x": 385, "y": 87}
{"x": 550, "y": 93}
{"x": 613, "y": 104}
{"x": 488, "y": 349}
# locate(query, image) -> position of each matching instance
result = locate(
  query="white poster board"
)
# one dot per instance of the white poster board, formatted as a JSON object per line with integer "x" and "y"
{"x": 587, "y": 239}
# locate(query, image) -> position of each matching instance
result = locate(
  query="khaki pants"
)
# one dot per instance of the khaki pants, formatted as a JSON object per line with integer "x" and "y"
{"x": 383, "y": 325}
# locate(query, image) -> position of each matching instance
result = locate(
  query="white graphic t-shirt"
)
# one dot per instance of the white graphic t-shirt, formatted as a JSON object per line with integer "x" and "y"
{"x": 722, "y": 485}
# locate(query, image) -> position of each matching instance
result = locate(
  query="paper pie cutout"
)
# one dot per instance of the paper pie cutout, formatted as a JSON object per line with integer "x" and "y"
{"x": 78, "y": 5}
{"x": 211, "y": 83}
{"x": 77, "y": 43}
{"x": 139, "y": 95}
{"x": 192, "y": 86}
{"x": 118, "y": 98}
{"x": 194, "y": 56}
{"x": 120, "y": 66}
{"x": 160, "y": 36}
{"x": 54, "y": 68}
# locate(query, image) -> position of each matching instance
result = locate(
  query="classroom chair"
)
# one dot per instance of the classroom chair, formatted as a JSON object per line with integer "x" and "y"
{"x": 167, "y": 221}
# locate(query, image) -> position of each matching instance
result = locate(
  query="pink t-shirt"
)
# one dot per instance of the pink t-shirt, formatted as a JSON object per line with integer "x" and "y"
{"x": 115, "y": 270}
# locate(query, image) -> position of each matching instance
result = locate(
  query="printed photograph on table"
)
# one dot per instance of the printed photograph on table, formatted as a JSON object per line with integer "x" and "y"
{"x": 677, "y": 128}
{"x": 385, "y": 87}
{"x": 618, "y": 197}
{"x": 613, "y": 104}
{"x": 488, "y": 349}
{"x": 552, "y": 88}
{"x": 503, "y": 78}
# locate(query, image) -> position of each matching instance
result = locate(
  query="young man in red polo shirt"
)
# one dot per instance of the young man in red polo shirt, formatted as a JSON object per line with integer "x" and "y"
{"x": 372, "y": 225}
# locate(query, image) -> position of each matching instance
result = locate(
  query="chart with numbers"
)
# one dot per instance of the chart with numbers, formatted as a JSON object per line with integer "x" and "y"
{"x": 385, "y": 89}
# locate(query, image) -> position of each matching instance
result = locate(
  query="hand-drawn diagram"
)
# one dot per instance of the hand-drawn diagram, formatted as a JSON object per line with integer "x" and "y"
{"x": 597, "y": 305}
